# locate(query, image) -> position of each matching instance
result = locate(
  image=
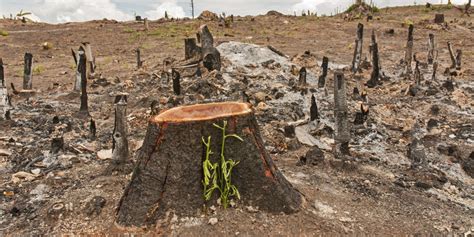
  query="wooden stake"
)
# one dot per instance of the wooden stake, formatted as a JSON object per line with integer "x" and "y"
{"x": 409, "y": 51}
{"x": 176, "y": 82}
{"x": 431, "y": 48}
{"x": 28, "y": 72}
{"x": 120, "y": 150}
{"x": 342, "y": 136}
{"x": 82, "y": 69}
{"x": 322, "y": 77}
{"x": 358, "y": 48}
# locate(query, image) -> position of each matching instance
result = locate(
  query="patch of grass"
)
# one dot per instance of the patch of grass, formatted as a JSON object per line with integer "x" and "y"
{"x": 129, "y": 30}
{"x": 173, "y": 30}
{"x": 4, "y": 33}
{"x": 134, "y": 37}
{"x": 38, "y": 69}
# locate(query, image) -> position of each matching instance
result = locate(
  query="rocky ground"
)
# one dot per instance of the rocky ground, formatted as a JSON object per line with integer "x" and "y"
{"x": 411, "y": 167}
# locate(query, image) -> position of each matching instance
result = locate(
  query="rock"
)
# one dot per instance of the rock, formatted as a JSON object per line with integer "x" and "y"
{"x": 260, "y": 97}
{"x": 251, "y": 209}
{"x": 213, "y": 221}
{"x": 314, "y": 156}
{"x": 104, "y": 154}
{"x": 95, "y": 205}
{"x": 22, "y": 176}
{"x": 36, "y": 171}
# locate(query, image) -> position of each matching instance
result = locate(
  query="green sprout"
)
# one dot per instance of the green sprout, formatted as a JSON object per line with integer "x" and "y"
{"x": 218, "y": 175}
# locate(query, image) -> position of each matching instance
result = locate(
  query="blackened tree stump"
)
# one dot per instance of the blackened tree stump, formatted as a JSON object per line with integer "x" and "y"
{"x": 168, "y": 175}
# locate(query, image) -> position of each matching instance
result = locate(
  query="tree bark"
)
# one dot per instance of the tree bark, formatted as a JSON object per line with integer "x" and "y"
{"x": 342, "y": 136}
{"x": 169, "y": 173}
{"x": 358, "y": 48}
{"x": 89, "y": 57}
{"x": 322, "y": 77}
{"x": 409, "y": 51}
{"x": 28, "y": 72}
{"x": 431, "y": 48}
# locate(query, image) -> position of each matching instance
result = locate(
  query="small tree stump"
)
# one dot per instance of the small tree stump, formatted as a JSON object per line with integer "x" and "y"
{"x": 431, "y": 48}
{"x": 120, "y": 150}
{"x": 342, "y": 136}
{"x": 169, "y": 173}
{"x": 439, "y": 18}
{"x": 28, "y": 72}
{"x": 358, "y": 48}
{"x": 409, "y": 51}
{"x": 375, "y": 75}
{"x": 191, "y": 49}
{"x": 84, "y": 109}
{"x": 322, "y": 77}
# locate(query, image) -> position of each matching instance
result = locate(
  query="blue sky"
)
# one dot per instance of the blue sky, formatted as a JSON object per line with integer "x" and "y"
{"x": 57, "y": 11}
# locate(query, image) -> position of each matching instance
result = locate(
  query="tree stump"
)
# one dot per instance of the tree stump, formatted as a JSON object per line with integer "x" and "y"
{"x": 439, "y": 18}
{"x": 191, "y": 49}
{"x": 169, "y": 172}
{"x": 322, "y": 77}
{"x": 211, "y": 57}
{"x": 431, "y": 48}
{"x": 409, "y": 51}
{"x": 358, "y": 48}
{"x": 28, "y": 72}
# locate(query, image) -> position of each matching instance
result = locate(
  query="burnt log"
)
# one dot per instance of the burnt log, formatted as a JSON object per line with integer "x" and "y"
{"x": 28, "y": 72}
{"x": 322, "y": 77}
{"x": 169, "y": 172}
{"x": 409, "y": 51}
{"x": 358, "y": 48}
{"x": 342, "y": 136}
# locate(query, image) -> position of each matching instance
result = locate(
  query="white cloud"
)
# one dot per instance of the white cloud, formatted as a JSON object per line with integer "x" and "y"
{"x": 170, "y": 6}
{"x": 59, "y": 11}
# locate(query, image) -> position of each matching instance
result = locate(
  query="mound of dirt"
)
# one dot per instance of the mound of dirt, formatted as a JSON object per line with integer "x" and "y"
{"x": 274, "y": 13}
{"x": 208, "y": 16}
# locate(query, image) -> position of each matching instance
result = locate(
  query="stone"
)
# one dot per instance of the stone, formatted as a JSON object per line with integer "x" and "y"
{"x": 104, "y": 154}
{"x": 213, "y": 221}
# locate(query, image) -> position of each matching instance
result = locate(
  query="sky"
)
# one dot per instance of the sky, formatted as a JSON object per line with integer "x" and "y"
{"x": 60, "y": 11}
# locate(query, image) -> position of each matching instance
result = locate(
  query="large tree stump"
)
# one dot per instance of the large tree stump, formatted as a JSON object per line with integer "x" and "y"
{"x": 28, "y": 72}
{"x": 169, "y": 173}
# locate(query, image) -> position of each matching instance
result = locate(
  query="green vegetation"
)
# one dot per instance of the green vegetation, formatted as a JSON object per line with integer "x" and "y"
{"x": 38, "y": 69}
{"x": 217, "y": 176}
{"x": 3, "y": 33}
